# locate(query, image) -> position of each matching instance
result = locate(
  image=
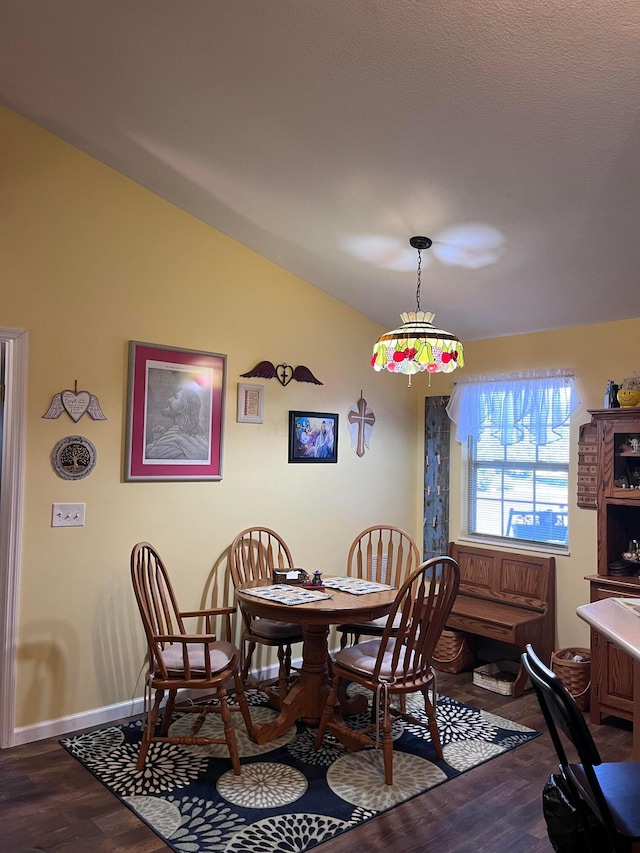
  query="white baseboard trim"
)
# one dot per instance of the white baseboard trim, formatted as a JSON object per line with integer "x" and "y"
{"x": 75, "y": 722}
{"x": 101, "y": 716}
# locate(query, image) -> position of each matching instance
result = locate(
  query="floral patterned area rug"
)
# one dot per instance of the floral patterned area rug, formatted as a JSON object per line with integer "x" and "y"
{"x": 289, "y": 798}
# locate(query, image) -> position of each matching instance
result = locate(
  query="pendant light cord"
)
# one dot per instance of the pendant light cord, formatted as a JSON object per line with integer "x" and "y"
{"x": 418, "y": 288}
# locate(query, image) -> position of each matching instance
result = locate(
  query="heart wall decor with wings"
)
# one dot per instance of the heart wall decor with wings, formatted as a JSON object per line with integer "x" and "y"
{"x": 75, "y": 403}
{"x": 284, "y": 373}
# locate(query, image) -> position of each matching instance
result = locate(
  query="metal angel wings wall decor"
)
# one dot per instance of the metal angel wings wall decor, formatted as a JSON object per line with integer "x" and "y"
{"x": 284, "y": 373}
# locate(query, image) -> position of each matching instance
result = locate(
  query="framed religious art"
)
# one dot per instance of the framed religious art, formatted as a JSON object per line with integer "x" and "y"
{"x": 250, "y": 404}
{"x": 175, "y": 413}
{"x": 313, "y": 437}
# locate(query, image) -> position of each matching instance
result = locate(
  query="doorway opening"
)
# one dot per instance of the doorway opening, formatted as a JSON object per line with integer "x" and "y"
{"x": 13, "y": 390}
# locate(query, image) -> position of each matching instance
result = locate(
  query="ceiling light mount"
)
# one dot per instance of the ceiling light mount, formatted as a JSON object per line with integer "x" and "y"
{"x": 417, "y": 345}
{"x": 420, "y": 243}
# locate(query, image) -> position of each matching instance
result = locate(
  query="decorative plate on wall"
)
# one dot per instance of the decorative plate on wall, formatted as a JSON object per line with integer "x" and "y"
{"x": 74, "y": 457}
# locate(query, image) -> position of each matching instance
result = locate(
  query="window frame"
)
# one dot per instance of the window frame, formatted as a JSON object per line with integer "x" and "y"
{"x": 470, "y": 465}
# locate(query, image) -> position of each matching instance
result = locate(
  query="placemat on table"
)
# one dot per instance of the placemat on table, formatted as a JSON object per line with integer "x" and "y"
{"x": 355, "y": 586}
{"x": 284, "y": 593}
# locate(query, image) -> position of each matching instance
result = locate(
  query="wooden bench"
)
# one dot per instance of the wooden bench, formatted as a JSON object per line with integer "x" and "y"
{"x": 508, "y": 597}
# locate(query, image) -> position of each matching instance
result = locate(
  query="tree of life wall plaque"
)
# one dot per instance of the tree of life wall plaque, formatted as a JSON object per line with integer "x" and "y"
{"x": 74, "y": 457}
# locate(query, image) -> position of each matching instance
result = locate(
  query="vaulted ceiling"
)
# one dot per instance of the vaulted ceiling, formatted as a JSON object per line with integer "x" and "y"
{"x": 323, "y": 134}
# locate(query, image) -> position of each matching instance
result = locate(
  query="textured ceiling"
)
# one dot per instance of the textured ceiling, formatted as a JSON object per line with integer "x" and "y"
{"x": 323, "y": 134}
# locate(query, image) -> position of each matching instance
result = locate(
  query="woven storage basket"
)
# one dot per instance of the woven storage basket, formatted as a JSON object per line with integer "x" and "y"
{"x": 575, "y": 675}
{"x": 453, "y": 652}
{"x": 499, "y": 677}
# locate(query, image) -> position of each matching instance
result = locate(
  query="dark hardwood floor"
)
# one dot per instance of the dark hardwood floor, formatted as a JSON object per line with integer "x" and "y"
{"x": 48, "y": 801}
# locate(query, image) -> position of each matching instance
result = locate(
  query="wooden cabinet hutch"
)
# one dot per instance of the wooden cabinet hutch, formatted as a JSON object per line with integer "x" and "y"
{"x": 618, "y": 508}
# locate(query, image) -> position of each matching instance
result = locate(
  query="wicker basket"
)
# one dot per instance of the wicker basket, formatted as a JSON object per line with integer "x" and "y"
{"x": 453, "y": 652}
{"x": 280, "y": 576}
{"x": 499, "y": 677}
{"x": 575, "y": 675}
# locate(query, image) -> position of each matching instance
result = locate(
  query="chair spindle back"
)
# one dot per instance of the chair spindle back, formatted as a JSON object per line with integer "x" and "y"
{"x": 156, "y": 599}
{"x": 255, "y": 553}
{"x": 423, "y": 604}
{"x": 383, "y": 553}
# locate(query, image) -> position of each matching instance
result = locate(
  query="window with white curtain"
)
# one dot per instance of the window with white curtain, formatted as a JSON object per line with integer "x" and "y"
{"x": 516, "y": 432}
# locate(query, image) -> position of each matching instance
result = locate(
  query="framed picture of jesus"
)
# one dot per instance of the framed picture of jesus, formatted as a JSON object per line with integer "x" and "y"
{"x": 175, "y": 413}
{"x": 313, "y": 437}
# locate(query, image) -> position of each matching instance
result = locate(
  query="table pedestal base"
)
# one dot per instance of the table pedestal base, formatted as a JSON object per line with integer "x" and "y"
{"x": 308, "y": 695}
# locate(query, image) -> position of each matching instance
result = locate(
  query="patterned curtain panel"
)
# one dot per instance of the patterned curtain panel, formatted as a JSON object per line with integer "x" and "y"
{"x": 436, "y": 477}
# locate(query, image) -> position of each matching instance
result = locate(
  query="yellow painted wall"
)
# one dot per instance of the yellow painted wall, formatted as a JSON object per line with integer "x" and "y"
{"x": 89, "y": 261}
{"x": 596, "y": 353}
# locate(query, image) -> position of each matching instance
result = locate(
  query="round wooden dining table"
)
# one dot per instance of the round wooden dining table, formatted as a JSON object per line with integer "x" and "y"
{"x": 307, "y": 697}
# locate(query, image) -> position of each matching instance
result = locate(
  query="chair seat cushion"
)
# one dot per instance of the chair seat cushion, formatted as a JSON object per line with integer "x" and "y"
{"x": 362, "y": 657}
{"x": 271, "y": 630}
{"x": 378, "y": 625}
{"x": 620, "y": 783}
{"x": 220, "y": 654}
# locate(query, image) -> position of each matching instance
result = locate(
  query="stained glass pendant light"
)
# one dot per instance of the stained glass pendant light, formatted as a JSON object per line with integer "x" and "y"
{"x": 417, "y": 345}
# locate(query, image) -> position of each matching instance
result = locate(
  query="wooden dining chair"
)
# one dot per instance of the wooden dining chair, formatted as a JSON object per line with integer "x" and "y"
{"x": 610, "y": 791}
{"x": 385, "y": 554}
{"x": 254, "y": 554}
{"x": 178, "y": 660}
{"x": 398, "y": 663}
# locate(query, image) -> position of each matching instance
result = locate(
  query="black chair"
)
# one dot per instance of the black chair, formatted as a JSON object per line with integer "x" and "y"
{"x": 610, "y": 791}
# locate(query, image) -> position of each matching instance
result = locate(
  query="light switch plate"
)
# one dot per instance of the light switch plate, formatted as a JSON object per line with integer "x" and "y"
{"x": 67, "y": 515}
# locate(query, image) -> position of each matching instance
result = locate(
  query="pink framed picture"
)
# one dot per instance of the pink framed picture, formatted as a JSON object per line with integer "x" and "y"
{"x": 175, "y": 413}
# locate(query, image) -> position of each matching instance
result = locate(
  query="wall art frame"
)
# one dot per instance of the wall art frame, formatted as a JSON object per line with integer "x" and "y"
{"x": 250, "y": 404}
{"x": 313, "y": 437}
{"x": 175, "y": 413}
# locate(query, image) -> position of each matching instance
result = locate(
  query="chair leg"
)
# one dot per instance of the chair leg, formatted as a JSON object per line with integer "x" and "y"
{"x": 434, "y": 688}
{"x": 387, "y": 745}
{"x": 229, "y": 732}
{"x": 247, "y": 660}
{"x": 147, "y": 735}
{"x": 283, "y": 679}
{"x": 168, "y": 711}
{"x": 327, "y": 713}
{"x": 432, "y": 724}
{"x": 344, "y": 639}
{"x": 374, "y": 712}
{"x": 244, "y": 705}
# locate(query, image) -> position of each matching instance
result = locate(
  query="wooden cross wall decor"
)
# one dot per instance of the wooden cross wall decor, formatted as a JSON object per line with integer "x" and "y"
{"x": 361, "y": 420}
